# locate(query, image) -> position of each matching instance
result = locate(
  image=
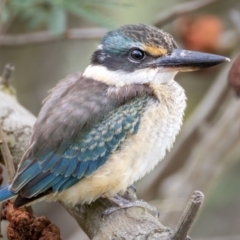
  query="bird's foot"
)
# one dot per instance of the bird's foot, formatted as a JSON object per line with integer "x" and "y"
{"x": 123, "y": 203}
{"x": 130, "y": 194}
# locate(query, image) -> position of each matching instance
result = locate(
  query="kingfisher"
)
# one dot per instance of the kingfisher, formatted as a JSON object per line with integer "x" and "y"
{"x": 100, "y": 131}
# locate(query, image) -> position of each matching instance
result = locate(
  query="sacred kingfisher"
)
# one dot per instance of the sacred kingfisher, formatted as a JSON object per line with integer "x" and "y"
{"x": 101, "y": 130}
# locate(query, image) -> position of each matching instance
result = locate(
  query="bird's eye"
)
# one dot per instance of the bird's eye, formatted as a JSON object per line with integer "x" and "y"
{"x": 137, "y": 55}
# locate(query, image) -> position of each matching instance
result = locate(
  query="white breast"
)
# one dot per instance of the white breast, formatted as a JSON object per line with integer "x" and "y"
{"x": 157, "y": 132}
{"x": 139, "y": 153}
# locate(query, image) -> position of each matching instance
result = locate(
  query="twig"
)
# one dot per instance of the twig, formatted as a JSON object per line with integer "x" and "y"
{"x": 7, "y": 157}
{"x": 7, "y": 74}
{"x": 163, "y": 18}
{"x": 189, "y": 216}
{"x": 46, "y": 36}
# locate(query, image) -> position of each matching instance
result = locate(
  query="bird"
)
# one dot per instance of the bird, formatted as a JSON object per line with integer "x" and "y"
{"x": 101, "y": 130}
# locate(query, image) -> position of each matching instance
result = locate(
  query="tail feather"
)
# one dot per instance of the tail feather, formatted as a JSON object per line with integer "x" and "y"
{"x": 5, "y": 193}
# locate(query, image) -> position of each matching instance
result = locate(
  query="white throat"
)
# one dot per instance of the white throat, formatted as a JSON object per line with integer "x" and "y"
{"x": 121, "y": 78}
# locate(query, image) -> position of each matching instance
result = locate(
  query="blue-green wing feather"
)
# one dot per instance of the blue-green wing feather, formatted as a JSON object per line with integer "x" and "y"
{"x": 58, "y": 170}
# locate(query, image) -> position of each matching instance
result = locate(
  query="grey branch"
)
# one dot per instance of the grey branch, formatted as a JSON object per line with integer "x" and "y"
{"x": 17, "y": 124}
{"x": 122, "y": 224}
{"x": 7, "y": 157}
{"x": 46, "y": 36}
{"x": 189, "y": 216}
{"x": 132, "y": 223}
{"x": 96, "y": 33}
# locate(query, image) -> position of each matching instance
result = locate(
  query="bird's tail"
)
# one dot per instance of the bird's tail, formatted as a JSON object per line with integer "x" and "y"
{"x": 5, "y": 193}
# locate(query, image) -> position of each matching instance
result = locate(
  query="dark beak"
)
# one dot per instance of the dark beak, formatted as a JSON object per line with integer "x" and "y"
{"x": 184, "y": 60}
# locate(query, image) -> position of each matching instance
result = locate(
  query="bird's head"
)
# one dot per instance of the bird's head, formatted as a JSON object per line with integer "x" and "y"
{"x": 143, "y": 54}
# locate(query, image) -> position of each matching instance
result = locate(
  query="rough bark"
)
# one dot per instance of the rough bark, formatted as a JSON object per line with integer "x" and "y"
{"x": 17, "y": 124}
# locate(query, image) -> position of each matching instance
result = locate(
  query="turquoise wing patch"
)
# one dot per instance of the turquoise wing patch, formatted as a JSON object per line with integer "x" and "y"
{"x": 83, "y": 157}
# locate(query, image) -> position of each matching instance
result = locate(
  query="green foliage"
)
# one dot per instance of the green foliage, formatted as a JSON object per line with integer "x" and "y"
{"x": 53, "y": 13}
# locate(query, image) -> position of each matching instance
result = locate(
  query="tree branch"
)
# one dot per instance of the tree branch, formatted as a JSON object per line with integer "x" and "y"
{"x": 122, "y": 224}
{"x": 96, "y": 33}
{"x": 46, "y": 36}
{"x": 189, "y": 216}
{"x": 7, "y": 157}
{"x": 133, "y": 222}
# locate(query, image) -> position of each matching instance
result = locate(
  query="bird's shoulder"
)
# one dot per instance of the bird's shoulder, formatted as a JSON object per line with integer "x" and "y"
{"x": 77, "y": 104}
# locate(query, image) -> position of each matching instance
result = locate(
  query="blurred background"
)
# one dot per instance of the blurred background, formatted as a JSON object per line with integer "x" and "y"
{"x": 48, "y": 39}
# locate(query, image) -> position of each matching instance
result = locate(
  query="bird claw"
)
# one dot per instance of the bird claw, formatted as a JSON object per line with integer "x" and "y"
{"x": 124, "y": 204}
{"x": 133, "y": 188}
{"x": 110, "y": 210}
